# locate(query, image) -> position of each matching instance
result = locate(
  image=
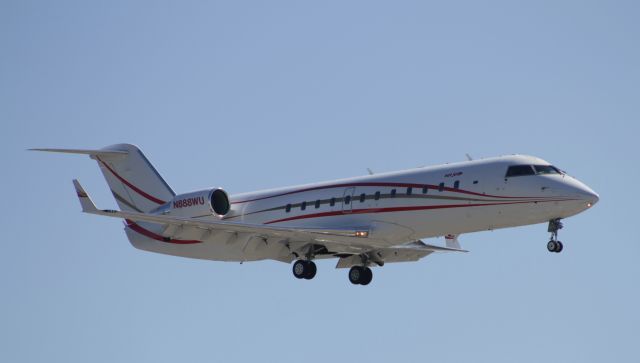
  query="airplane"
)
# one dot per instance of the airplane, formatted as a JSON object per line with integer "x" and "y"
{"x": 364, "y": 221}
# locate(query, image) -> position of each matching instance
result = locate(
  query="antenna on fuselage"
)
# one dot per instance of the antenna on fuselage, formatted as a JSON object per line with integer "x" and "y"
{"x": 370, "y": 171}
{"x": 469, "y": 157}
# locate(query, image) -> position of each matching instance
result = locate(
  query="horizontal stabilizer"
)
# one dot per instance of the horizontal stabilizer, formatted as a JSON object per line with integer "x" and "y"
{"x": 84, "y": 151}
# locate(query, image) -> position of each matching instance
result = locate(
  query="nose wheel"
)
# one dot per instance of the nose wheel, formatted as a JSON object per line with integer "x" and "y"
{"x": 554, "y": 245}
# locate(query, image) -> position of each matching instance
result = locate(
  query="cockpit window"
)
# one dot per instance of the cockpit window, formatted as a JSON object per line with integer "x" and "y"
{"x": 546, "y": 169}
{"x": 520, "y": 170}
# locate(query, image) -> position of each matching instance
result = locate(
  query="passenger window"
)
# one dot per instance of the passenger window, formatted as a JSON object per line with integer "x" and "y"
{"x": 475, "y": 182}
{"x": 288, "y": 208}
{"x": 347, "y": 199}
{"x": 377, "y": 196}
{"x": 362, "y": 197}
{"x": 519, "y": 170}
{"x": 441, "y": 187}
{"x": 317, "y": 203}
{"x": 409, "y": 190}
{"x": 303, "y": 206}
{"x": 332, "y": 202}
{"x": 456, "y": 184}
{"x": 425, "y": 190}
{"x": 393, "y": 193}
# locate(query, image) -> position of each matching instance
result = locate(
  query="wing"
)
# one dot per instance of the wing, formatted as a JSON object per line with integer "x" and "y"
{"x": 352, "y": 245}
{"x": 349, "y": 240}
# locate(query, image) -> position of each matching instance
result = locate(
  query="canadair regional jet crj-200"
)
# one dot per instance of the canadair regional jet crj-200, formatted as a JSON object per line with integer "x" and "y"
{"x": 363, "y": 222}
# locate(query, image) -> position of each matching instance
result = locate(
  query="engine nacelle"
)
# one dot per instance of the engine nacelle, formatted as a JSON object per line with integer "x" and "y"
{"x": 199, "y": 204}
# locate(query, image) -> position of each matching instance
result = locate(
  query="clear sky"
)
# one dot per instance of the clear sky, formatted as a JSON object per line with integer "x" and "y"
{"x": 252, "y": 95}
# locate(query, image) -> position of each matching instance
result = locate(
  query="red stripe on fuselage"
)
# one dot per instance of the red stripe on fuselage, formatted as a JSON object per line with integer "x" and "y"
{"x": 133, "y": 187}
{"x": 399, "y": 185}
{"x": 147, "y": 233}
{"x": 397, "y": 209}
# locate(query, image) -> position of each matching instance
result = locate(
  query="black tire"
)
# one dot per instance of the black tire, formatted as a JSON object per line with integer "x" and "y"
{"x": 355, "y": 275}
{"x": 367, "y": 276}
{"x": 552, "y": 246}
{"x": 300, "y": 269}
{"x": 311, "y": 270}
{"x": 559, "y": 247}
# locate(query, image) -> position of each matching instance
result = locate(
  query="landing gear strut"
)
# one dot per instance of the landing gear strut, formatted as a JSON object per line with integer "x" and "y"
{"x": 304, "y": 269}
{"x": 554, "y": 245}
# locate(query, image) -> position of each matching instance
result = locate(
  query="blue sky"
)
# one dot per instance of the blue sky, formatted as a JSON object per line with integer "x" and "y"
{"x": 253, "y": 95}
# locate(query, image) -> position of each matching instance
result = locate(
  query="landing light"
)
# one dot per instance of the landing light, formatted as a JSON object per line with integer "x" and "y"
{"x": 589, "y": 205}
{"x": 362, "y": 234}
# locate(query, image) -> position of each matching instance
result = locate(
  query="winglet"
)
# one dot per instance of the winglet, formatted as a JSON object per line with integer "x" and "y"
{"x": 85, "y": 201}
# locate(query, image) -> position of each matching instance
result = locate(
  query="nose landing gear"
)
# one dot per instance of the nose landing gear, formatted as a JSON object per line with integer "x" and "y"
{"x": 554, "y": 245}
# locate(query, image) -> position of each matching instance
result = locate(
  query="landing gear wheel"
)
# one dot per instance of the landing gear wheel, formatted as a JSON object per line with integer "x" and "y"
{"x": 559, "y": 247}
{"x": 359, "y": 275}
{"x": 367, "y": 276}
{"x": 311, "y": 273}
{"x": 299, "y": 269}
{"x": 355, "y": 275}
{"x": 304, "y": 269}
{"x": 552, "y": 246}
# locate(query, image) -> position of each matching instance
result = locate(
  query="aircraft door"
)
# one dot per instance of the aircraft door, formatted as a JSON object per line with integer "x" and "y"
{"x": 347, "y": 200}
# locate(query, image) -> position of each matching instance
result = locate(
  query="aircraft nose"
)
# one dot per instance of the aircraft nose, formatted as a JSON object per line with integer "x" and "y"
{"x": 588, "y": 195}
{"x": 591, "y": 197}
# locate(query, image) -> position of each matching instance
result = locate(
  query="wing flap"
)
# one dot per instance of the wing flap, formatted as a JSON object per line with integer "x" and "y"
{"x": 409, "y": 252}
{"x": 383, "y": 255}
{"x": 434, "y": 248}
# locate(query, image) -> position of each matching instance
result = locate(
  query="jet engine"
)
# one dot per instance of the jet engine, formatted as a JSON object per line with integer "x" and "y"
{"x": 200, "y": 203}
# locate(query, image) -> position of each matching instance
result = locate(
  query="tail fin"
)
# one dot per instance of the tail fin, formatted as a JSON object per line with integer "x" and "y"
{"x": 133, "y": 181}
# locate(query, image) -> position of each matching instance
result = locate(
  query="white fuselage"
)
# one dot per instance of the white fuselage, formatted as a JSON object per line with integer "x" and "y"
{"x": 363, "y": 222}
{"x": 404, "y": 206}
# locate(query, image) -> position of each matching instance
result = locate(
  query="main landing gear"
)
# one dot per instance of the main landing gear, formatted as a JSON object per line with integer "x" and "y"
{"x": 554, "y": 245}
{"x": 304, "y": 269}
{"x": 360, "y": 275}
